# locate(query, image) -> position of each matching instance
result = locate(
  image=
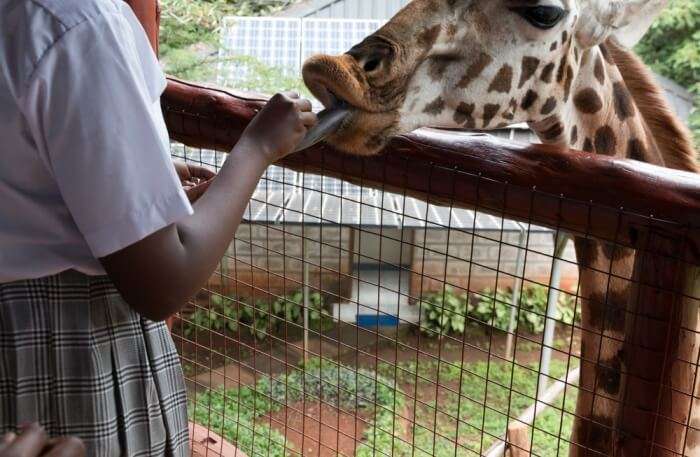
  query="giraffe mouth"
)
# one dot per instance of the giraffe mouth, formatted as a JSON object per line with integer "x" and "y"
{"x": 338, "y": 84}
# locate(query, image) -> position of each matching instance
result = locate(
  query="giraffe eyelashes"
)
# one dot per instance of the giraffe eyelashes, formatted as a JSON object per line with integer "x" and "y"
{"x": 542, "y": 17}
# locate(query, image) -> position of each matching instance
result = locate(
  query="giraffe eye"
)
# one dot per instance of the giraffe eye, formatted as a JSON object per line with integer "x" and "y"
{"x": 542, "y": 17}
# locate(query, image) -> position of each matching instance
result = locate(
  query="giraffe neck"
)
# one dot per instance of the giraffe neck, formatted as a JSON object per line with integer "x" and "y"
{"x": 600, "y": 116}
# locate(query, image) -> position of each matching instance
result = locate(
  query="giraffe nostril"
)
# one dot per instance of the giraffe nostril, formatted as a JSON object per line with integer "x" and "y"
{"x": 372, "y": 64}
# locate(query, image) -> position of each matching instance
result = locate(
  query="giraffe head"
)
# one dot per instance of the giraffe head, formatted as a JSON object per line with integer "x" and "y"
{"x": 470, "y": 64}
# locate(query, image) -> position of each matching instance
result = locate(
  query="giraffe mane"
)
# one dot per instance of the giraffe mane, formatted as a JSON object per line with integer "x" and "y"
{"x": 673, "y": 139}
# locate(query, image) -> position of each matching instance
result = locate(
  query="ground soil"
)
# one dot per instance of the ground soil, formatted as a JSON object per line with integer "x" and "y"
{"x": 224, "y": 358}
{"x": 313, "y": 429}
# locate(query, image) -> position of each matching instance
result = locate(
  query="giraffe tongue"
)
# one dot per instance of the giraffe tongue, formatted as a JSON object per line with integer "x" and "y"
{"x": 328, "y": 122}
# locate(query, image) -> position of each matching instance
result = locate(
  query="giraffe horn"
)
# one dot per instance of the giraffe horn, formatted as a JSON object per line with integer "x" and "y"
{"x": 626, "y": 20}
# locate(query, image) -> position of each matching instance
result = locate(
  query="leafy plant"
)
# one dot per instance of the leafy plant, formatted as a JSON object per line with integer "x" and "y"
{"x": 290, "y": 309}
{"x": 494, "y": 308}
{"x": 443, "y": 313}
{"x": 260, "y": 318}
{"x": 221, "y": 315}
{"x": 447, "y": 312}
{"x": 672, "y": 48}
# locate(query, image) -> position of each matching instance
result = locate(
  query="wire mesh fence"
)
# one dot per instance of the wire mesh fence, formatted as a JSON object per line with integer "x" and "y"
{"x": 353, "y": 320}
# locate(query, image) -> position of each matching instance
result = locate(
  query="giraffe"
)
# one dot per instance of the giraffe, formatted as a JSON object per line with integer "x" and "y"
{"x": 565, "y": 68}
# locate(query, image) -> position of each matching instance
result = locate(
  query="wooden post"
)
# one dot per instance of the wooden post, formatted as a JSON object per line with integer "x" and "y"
{"x": 659, "y": 353}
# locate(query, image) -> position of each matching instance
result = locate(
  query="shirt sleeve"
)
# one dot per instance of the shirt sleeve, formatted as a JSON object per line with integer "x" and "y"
{"x": 93, "y": 108}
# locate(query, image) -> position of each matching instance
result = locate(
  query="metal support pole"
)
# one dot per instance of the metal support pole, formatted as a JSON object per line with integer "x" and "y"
{"x": 550, "y": 321}
{"x": 517, "y": 285}
{"x": 305, "y": 294}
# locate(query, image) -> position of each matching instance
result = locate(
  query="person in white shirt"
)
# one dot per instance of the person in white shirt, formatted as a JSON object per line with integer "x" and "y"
{"x": 98, "y": 241}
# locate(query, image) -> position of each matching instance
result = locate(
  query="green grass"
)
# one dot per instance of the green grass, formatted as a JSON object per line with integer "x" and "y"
{"x": 447, "y": 423}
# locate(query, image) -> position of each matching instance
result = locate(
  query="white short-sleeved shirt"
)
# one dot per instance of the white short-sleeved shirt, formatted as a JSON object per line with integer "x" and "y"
{"x": 86, "y": 169}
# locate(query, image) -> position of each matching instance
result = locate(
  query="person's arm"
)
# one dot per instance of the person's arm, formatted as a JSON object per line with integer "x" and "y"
{"x": 158, "y": 274}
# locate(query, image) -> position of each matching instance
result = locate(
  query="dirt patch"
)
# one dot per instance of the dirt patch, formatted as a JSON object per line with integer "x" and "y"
{"x": 318, "y": 430}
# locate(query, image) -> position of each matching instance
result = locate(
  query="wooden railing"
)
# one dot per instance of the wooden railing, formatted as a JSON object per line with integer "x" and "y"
{"x": 654, "y": 210}
{"x": 582, "y": 193}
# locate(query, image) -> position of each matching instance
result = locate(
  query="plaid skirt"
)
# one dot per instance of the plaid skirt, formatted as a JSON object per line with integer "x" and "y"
{"x": 77, "y": 359}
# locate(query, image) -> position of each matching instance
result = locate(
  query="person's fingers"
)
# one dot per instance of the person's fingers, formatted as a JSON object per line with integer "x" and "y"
{"x": 6, "y": 440}
{"x": 183, "y": 171}
{"x": 309, "y": 119}
{"x": 303, "y": 104}
{"x": 68, "y": 446}
{"x": 193, "y": 193}
{"x": 201, "y": 172}
{"x": 29, "y": 443}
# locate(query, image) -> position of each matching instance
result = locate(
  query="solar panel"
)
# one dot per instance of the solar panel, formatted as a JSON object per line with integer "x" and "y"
{"x": 274, "y": 42}
{"x": 334, "y": 36}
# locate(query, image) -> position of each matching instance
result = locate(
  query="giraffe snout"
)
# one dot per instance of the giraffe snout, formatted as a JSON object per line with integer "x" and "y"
{"x": 333, "y": 79}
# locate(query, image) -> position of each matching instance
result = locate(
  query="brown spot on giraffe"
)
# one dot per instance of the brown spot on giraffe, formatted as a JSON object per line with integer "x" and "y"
{"x": 436, "y": 107}
{"x": 549, "y": 106}
{"x": 605, "y": 141}
{"x": 490, "y": 111}
{"x": 616, "y": 252}
{"x": 529, "y": 100}
{"x": 429, "y": 35}
{"x": 503, "y": 80}
{"x": 547, "y": 73}
{"x": 599, "y": 70}
{"x": 588, "y": 101}
{"x": 624, "y": 108}
{"x": 554, "y": 46}
{"x": 564, "y": 37}
{"x": 553, "y": 132}
{"x": 481, "y": 21}
{"x": 599, "y": 431}
{"x": 588, "y": 145}
{"x": 586, "y": 252}
{"x": 509, "y": 114}
{"x": 609, "y": 374}
{"x": 437, "y": 65}
{"x": 574, "y": 135}
{"x": 529, "y": 67}
{"x": 464, "y": 114}
{"x": 475, "y": 69}
{"x": 608, "y": 312}
{"x": 562, "y": 68}
{"x": 636, "y": 150}
{"x": 451, "y": 30}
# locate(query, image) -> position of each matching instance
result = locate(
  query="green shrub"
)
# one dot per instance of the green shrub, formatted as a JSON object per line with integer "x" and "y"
{"x": 447, "y": 312}
{"x": 331, "y": 382}
{"x": 222, "y": 314}
{"x": 443, "y": 313}
{"x": 260, "y": 318}
{"x": 291, "y": 309}
{"x": 232, "y": 413}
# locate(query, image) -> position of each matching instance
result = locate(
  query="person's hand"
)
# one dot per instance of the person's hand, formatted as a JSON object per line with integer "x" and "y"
{"x": 195, "y": 179}
{"x": 33, "y": 442}
{"x": 280, "y": 125}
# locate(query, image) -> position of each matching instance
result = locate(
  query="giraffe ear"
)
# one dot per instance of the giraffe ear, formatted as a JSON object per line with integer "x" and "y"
{"x": 625, "y": 20}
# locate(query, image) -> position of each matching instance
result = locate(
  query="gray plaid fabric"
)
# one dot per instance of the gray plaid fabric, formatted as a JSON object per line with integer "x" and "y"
{"x": 76, "y": 358}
